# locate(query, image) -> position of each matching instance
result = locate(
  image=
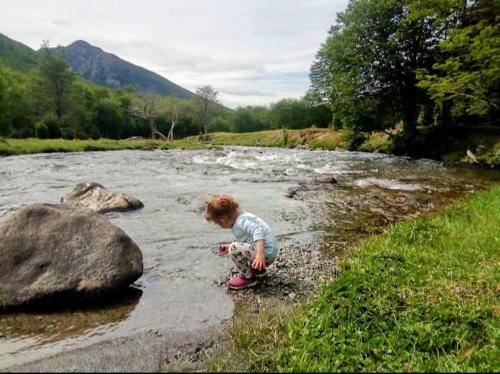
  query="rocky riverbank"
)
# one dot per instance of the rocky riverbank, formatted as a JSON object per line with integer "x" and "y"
{"x": 298, "y": 271}
{"x": 296, "y": 274}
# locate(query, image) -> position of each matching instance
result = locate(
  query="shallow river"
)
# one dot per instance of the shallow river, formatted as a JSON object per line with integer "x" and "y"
{"x": 179, "y": 290}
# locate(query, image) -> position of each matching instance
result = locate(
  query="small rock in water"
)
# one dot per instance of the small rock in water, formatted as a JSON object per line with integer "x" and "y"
{"x": 292, "y": 191}
{"x": 327, "y": 178}
{"x": 97, "y": 198}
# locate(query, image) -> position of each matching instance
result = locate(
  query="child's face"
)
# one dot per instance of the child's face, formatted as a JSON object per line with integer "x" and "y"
{"x": 225, "y": 223}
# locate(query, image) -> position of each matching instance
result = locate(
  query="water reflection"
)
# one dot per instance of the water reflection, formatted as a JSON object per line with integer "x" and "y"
{"x": 55, "y": 321}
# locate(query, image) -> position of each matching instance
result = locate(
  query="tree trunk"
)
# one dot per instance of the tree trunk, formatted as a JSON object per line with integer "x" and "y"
{"x": 410, "y": 116}
{"x": 205, "y": 116}
{"x": 170, "y": 135}
{"x": 152, "y": 127}
{"x": 205, "y": 123}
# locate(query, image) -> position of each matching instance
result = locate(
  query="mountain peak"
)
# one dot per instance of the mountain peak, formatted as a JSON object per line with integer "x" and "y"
{"x": 109, "y": 70}
{"x": 81, "y": 43}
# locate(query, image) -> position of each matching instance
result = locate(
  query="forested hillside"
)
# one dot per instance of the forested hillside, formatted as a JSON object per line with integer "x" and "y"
{"x": 17, "y": 54}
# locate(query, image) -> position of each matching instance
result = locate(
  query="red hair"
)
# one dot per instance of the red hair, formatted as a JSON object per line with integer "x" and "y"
{"x": 222, "y": 206}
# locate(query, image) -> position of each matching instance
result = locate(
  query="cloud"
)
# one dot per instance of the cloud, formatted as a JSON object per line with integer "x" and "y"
{"x": 58, "y": 22}
{"x": 235, "y": 91}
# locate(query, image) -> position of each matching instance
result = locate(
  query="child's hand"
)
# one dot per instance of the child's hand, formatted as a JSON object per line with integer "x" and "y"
{"x": 260, "y": 261}
{"x": 223, "y": 249}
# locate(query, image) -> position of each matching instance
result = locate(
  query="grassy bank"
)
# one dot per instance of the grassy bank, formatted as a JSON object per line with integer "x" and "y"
{"x": 421, "y": 297}
{"x": 313, "y": 138}
{"x": 33, "y": 145}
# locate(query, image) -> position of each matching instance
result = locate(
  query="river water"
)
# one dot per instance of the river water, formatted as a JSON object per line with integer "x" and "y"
{"x": 179, "y": 290}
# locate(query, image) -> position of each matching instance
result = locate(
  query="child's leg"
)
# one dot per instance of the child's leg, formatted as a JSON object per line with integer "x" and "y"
{"x": 242, "y": 255}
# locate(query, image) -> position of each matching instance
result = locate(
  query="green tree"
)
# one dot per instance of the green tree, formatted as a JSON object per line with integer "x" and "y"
{"x": 15, "y": 103}
{"x": 147, "y": 108}
{"x": 207, "y": 100}
{"x": 131, "y": 127}
{"x": 467, "y": 80}
{"x": 319, "y": 112}
{"x": 53, "y": 83}
{"x": 5, "y": 125}
{"x": 175, "y": 110}
{"x": 222, "y": 122}
{"x": 109, "y": 118}
{"x": 289, "y": 113}
{"x": 367, "y": 67}
{"x": 246, "y": 120}
{"x": 48, "y": 127}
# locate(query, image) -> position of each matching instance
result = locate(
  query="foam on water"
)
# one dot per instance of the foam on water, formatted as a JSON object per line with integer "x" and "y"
{"x": 389, "y": 184}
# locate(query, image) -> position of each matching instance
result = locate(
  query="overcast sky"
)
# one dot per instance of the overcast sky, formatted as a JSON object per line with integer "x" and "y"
{"x": 254, "y": 52}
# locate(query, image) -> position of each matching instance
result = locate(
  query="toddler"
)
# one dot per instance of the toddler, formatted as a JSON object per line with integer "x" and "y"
{"x": 256, "y": 246}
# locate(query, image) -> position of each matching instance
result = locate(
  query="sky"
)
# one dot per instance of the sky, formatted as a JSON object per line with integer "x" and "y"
{"x": 253, "y": 52}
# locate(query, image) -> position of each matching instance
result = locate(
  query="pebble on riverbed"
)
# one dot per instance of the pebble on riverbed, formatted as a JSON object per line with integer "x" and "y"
{"x": 297, "y": 272}
{"x": 327, "y": 178}
{"x": 291, "y": 192}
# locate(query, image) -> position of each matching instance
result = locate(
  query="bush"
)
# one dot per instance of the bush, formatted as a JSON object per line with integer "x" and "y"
{"x": 353, "y": 139}
{"x": 47, "y": 127}
{"x": 377, "y": 142}
{"x": 219, "y": 123}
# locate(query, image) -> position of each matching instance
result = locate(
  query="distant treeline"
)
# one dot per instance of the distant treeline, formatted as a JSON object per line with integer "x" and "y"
{"x": 50, "y": 101}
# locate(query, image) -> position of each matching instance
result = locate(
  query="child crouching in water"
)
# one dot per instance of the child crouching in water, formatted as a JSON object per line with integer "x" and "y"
{"x": 256, "y": 246}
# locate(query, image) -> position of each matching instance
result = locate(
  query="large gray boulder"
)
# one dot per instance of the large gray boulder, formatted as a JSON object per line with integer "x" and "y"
{"x": 97, "y": 198}
{"x": 50, "y": 250}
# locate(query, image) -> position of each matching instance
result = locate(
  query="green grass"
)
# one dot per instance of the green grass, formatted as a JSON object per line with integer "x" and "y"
{"x": 377, "y": 142}
{"x": 491, "y": 156}
{"x": 312, "y": 137}
{"x": 316, "y": 138}
{"x": 273, "y": 138}
{"x": 421, "y": 297}
{"x": 33, "y": 145}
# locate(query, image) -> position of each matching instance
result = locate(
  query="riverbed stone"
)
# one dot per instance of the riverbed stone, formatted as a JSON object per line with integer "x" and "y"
{"x": 99, "y": 199}
{"x": 54, "y": 250}
{"x": 326, "y": 178}
{"x": 291, "y": 192}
